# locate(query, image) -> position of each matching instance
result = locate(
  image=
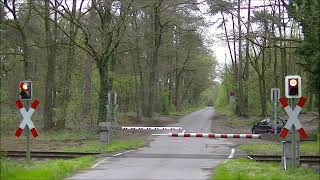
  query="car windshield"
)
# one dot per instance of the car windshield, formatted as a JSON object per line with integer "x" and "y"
{"x": 279, "y": 121}
{"x": 265, "y": 121}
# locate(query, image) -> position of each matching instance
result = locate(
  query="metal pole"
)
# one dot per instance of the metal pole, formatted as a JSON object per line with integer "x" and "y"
{"x": 275, "y": 117}
{"x": 293, "y": 142}
{"x": 27, "y": 131}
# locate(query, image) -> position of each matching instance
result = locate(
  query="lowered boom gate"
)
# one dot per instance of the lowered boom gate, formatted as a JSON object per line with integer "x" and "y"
{"x": 212, "y": 135}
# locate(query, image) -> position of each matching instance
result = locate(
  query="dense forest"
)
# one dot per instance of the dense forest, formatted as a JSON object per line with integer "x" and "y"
{"x": 154, "y": 55}
{"x": 151, "y": 53}
{"x": 277, "y": 38}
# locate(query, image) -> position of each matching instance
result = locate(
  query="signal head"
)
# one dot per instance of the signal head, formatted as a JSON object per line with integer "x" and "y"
{"x": 25, "y": 88}
{"x": 293, "y": 86}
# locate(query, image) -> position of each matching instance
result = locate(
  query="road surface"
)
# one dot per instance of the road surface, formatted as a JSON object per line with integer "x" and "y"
{"x": 167, "y": 157}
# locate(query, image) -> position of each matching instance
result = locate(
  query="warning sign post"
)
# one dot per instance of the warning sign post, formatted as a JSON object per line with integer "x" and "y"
{"x": 291, "y": 145}
{"x": 25, "y": 93}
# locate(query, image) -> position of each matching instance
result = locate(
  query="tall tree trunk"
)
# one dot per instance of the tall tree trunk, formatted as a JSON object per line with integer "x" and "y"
{"x": 104, "y": 87}
{"x": 282, "y": 54}
{"x": 51, "y": 59}
{"x": 177, "y": 82}
{"x": 240, "y": 70}
{"x": 263, "y": 84}
{"x": 247, "y": 66}
{"x": 153, "y": 78}
{"x": 61, "y": 123}
{"x": 138, "y": 104}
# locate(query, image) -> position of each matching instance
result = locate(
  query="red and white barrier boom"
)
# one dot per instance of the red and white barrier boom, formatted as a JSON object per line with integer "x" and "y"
{"x": 293, "y": 117}
{"x": 212, "y": 135}
{"x": 152, "y": 128}
{"x": 27, "y": 118}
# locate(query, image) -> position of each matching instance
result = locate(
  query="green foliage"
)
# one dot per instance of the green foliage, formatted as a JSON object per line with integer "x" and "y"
{"x": 115, "y": 145}
{"x": 209, "y": 95}
{"x": 248, "y": 170}
{"x": 44, "y": 170}
{"x": 223, "y": 96}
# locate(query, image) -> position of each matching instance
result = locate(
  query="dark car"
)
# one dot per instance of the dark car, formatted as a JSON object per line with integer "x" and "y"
{"x": 266, "y": 126}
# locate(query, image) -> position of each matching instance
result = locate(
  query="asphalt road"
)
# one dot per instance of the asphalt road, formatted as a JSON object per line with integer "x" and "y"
{"x": 167, "y": 157}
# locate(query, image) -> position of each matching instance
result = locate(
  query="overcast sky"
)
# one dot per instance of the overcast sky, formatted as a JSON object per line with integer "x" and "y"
{"x": 213, "y": 33}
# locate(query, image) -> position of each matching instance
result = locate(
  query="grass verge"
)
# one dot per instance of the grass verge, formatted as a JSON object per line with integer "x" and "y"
{"x": 247, "y": 169}
{"x": 306, "y": 148}
{"x": 115, "y": 145}
{"x": 42, "y": 170}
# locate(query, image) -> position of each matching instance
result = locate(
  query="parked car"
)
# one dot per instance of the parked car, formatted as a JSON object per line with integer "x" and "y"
{"x": 266, "y": 126}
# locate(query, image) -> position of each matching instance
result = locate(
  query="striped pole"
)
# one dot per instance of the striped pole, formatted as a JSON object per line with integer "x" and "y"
{"x": 212, "y": 135}
{"x": 151, "y": 128}
{"x": 26, "y": 118}
{"x": 293, "y": 117}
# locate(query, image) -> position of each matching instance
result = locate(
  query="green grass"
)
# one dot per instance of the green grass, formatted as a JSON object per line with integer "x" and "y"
{"x": 270, "y": 149}
{"x": 306, "y": 148}
{"x": 61, "y": 135}
{"x": 115, "y": 145}
{"x": 43, "y": 170}
{"x": 68, "y": 135}
{"x": 244, "y": 169}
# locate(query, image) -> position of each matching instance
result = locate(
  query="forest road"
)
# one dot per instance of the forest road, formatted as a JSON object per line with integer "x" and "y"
{"x": 166, "y": 157}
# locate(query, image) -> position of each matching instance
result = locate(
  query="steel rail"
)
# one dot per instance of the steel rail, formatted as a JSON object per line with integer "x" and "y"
{"x": 277, "y": 158}
{"x": 48, "y": 154}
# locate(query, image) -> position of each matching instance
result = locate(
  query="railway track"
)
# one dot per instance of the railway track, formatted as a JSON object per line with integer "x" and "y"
{"x": 47, "y": 154}
{"x": 276, "y": 158}
{"x": 69, "y": 155}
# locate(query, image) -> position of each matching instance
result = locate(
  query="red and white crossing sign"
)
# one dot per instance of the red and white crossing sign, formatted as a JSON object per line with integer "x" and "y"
{"x": 293, "y": 117}
{"x": 27, "y": 118}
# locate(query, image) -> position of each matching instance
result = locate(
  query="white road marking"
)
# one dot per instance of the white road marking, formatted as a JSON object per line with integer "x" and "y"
{"x": 103, "y": 160}
{"x": 98, "y": 163}
{"x": 183, "y": 131}
{"x": 249, "y": 157}
{"x": 231, "y": 154}
{"x": 117, "y": 154}
{"x": 122, "y": 153}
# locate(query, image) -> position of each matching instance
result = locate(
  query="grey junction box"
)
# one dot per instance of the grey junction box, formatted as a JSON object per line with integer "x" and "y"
{"x": 104, "y": 132}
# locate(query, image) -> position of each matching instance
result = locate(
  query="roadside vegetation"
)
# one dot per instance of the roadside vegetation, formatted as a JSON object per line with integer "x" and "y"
{"x": 42, "y": 170}
{"x": 251, "y": 170}
{"x": 59, "y": 169}
{"x": 115, "y": 145}
{"x": 306, "y": 148}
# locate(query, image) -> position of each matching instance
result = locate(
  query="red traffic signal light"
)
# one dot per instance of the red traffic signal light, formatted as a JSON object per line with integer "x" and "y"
{"x": 25, "y": 88}
{"x": 293, "y": 86}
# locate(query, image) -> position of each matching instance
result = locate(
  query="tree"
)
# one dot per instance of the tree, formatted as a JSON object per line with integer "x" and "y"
{"x": 307, "y": 13}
